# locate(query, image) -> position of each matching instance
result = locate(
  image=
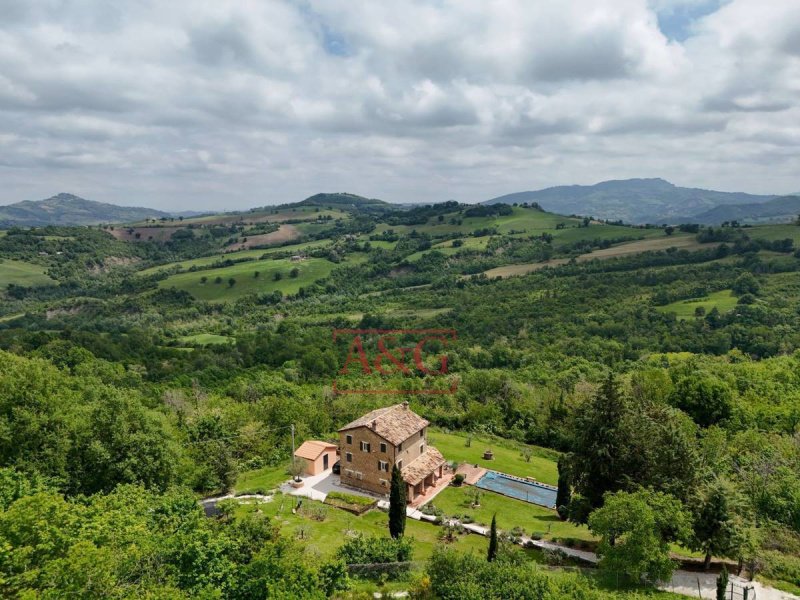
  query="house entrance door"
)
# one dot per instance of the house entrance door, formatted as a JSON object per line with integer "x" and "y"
{"x": 325, "y": 462}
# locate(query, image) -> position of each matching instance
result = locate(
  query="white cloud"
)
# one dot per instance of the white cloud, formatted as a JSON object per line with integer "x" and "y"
{"x": 212, "y": 104}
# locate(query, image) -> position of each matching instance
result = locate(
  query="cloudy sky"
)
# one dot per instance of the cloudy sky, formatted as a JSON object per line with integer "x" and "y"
{"x": 231, "y": 104}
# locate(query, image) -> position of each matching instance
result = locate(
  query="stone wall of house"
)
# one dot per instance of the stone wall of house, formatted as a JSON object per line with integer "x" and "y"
{"x": 411, "y": 447}
{"x": 365, "y": 463}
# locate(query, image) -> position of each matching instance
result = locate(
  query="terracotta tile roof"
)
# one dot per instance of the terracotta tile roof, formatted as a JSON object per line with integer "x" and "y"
{"x": 422, "y": 466}
{"x": 311, "y": 449}
{"x": 394, "y": 423}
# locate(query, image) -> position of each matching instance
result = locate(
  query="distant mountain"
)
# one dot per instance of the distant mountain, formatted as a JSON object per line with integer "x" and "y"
{"x": 345, "y": 201}
{"x": 630, "y": 200}
{"x": 783, "y": 209}
{"x": 341, "y": 198}
{"x": 67, "y": 209}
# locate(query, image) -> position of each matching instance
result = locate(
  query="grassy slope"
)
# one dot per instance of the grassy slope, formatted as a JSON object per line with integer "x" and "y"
{"x": 510, "y": 513}
{"x": 324, "y": 537}
{"x": 681, "y": 242}
{"x": 311, "y": 270}
{"x": 22, "y": 273}
{"x": 470, "y": 243}
{"x": 530, "y": 222}
{"x": 205, "y": 339}
{"x": 241, "y": 255}
{"x": 775, "y": 232}
{"x": 506, "y": 459}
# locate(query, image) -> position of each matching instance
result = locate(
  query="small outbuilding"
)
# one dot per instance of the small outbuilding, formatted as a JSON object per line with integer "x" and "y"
{"x": 318, "y": 456}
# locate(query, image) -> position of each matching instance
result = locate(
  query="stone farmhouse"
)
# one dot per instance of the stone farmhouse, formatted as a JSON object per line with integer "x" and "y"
{"x": 371, "y": 445}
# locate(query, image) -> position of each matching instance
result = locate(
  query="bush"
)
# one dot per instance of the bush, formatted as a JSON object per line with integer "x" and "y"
{"x": 458, "y": 479}
{"x": 363, "y": 549}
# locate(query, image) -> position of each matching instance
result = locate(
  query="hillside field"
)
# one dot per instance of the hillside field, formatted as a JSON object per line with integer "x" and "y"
{"x": 724, "y": 301}
{"x": 185, "y": 265}
{"x": 311, "y": 270}
{"x": 22, "y": 273}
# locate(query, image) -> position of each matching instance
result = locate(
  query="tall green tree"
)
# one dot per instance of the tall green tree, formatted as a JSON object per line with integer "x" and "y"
{"x": 705, "y": 398}
{"x": 636, "y": 530}
{"x": 714, "y": 523}
{"x": 600, "y": 448}
{"x": 492, "y": 551}
{"x": 397, "y": 504}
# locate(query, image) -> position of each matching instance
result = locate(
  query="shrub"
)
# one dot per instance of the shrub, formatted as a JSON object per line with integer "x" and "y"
{"x": 363, "y": 549}
{"x": 458, "y": 479}
{"x": 351, "y": 498}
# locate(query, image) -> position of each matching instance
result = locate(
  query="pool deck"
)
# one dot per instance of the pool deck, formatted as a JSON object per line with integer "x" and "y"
{"x": 471, "y": 473}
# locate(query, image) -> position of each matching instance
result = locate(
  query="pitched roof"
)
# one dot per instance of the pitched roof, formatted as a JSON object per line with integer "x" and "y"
{"x": 394, "y": 423}
{"x": 311, "y": 449}
{"x": 419, "y": 468}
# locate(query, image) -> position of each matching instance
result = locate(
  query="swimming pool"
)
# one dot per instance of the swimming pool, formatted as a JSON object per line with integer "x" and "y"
{"x": 508, "y": 485}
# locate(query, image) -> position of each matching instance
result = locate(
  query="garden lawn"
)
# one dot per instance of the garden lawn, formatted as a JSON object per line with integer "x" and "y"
{"x": 507, "y": 455}
{"x": 261, "y": 480}
{"x": 325, "y": 537}
{"x": 455, "y": 501}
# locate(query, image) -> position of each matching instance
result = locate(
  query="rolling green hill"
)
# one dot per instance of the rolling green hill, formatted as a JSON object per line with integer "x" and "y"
{"x": 344, "y": 200}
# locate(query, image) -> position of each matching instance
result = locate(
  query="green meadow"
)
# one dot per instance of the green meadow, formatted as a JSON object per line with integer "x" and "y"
{"x": 775, "y": 232}
{"x": 723, "y": 301}
{"x": 205, "y": 339}
{"x": 246, "y": 281}
{"x": 22, "y": 273}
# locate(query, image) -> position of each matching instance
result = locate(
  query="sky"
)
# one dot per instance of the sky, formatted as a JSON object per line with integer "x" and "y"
{"x": 195, "y": 105}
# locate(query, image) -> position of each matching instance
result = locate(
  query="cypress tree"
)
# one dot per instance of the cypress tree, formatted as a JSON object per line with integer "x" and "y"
{"x": 564, "y": 494}
{"x": 397, "y": 504}
{"x": 492, "y": 554}
{"x": 722, "y": 584}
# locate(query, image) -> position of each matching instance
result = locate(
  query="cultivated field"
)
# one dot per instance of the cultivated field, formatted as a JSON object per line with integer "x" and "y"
{"x": 284, "y": 233}
{"x": 205, "y": 261}
{"x": 685, "y": 242}
{"x": 144, "y": 234}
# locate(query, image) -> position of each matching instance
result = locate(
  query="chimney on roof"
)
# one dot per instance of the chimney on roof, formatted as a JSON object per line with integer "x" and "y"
{"x": 374, "y": 423}
{"x": 405, "y": 405}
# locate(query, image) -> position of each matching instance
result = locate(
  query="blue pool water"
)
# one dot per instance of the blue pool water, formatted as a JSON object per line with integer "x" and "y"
{"x": 535, "y": 493}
